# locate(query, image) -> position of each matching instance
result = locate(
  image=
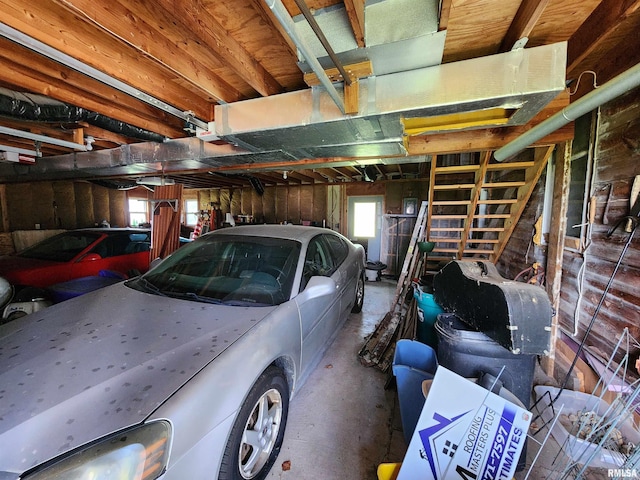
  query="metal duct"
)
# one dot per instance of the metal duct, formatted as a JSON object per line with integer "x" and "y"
{"x": 307, "y": 124}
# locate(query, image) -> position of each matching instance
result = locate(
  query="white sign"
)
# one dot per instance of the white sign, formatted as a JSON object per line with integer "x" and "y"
{"x": 465, "y": 432}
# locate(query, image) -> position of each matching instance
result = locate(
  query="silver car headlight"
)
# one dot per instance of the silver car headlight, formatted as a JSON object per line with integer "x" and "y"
{"x": 136, "y": 453}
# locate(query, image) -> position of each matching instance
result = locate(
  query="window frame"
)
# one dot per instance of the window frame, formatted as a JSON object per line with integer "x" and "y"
{"x": 143, "y": 201}
{"x": 585, "y": 152}
{"x": 187, "y": 213}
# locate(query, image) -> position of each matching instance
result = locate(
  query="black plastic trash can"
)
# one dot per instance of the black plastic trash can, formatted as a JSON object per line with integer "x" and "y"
{"x": 470, "y": 354}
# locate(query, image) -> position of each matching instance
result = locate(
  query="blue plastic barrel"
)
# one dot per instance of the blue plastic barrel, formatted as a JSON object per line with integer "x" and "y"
{"x": 428, "y": 311}
{"x": 413, "y": 363}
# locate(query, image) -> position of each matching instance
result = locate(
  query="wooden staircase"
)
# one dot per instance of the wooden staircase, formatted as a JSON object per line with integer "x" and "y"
{"x": 474, "y": 208}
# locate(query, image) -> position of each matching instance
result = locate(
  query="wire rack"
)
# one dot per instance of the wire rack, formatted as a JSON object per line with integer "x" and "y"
{"x": 589, "y": 435}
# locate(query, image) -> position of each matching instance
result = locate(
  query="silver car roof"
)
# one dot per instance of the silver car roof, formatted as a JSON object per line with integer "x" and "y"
{"x": 292, "y": 232}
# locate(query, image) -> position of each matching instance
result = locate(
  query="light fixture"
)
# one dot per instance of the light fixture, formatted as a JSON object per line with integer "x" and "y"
{"x": 284, "y": 175}
{"x": 155, "y": 181}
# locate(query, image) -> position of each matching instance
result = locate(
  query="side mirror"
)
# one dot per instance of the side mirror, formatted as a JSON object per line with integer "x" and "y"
{"x": 90, "y": 257}
{"x": 318, "y": 286}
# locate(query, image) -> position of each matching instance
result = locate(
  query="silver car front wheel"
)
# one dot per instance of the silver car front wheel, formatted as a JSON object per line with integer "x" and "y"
{"x": 359, "y": 301}
{"x": 257, "y": 435}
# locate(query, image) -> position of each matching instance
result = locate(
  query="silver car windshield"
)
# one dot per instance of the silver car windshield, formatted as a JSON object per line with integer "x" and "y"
{"x": 227, "y": 269}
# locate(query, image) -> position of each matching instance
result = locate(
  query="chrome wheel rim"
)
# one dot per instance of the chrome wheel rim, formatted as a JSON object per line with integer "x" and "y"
{"x": 360, "y": 291}
{"x": 260, "y": 434}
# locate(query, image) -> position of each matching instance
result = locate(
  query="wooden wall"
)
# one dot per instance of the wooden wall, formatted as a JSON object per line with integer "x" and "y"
{"x": 617, "y": 162}
{"x": 585, "y": 275}
{"x": 293, "y": 204}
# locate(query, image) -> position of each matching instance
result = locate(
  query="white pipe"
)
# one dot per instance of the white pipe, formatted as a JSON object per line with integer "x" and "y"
{"x": 20, "y": 151}
{"x": 42, "y": 138}
{"x": 286, "y": 21}
{"x": 610, "y": 90}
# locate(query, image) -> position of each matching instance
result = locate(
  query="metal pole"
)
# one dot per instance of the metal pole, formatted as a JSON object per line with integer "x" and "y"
{"x": 323, "y": 40}
{"x": 610, "y": 90}
{"x": 286, "y": 21}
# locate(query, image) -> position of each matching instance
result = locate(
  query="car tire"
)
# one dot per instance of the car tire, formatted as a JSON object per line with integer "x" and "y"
{"x": 257, "y": 434}
{"x": 357, "y": 306}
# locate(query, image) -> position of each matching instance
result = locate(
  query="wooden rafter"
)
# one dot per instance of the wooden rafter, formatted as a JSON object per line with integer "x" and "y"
{"x": 78, "y": 40}
{"x": 445, "y": 12}
{"x": 528, "y": 15}
{"x": 355, "y": 13}
{"x": 602, "y": 24}
{"x": 68, "y": 86}
{"x": 186, "y": 52}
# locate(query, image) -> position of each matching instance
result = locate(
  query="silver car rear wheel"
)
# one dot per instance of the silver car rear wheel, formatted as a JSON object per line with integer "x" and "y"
{"x": 257, "y": 435}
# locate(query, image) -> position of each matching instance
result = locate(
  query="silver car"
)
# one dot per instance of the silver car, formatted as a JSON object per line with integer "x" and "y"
{"x": 183, "y": 373}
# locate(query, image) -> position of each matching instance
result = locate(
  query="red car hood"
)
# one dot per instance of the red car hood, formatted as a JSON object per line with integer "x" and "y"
{"x": 92, "y": 365}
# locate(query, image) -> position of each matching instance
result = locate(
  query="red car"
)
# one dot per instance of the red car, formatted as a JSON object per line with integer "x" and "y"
{"x": 79, "y": 253}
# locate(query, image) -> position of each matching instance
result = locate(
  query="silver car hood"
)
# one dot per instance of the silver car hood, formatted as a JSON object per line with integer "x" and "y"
{"x": 98, "y": 363}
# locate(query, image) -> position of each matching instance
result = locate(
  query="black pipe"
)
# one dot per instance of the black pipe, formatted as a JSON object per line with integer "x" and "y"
{"x": 38, "y": 108}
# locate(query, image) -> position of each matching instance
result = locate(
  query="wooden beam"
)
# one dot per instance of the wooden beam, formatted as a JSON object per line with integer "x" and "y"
{"x": 56, "y": 84}
{"x": 65, "y": 32}
{"x": 78, "y": 135}
{"x": 473, "y": 141}
{"x": 271, "y": 19}
{"x": 199, "y": 21}
{"x": 525, "y": 19}
{"x": 105, "y": 135}
{"x": 351, "y": 97}
{"x": 158, "y": 34}
{"x": 555, "y": 250}
{"x": 445, "y": 13}
{"x": 603, "y": 23}
{"x": 354, "y": 70}
{"x": 612, "y": 61}
{"x": 355, "y": 13}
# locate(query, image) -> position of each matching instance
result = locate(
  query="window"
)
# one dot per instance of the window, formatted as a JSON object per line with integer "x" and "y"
{"x": 137, "y": 212}
{"x": 581, "y": 167}
{"x": 123, "y": 244}
{"x": 339, "y": 250}
{"x": 318, "y": 261}
{"x": 364, "y": 223}
{"x": 191, "y": 212}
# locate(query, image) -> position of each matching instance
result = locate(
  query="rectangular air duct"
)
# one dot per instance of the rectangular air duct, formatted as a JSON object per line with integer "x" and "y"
{"x": 308, "y": 124}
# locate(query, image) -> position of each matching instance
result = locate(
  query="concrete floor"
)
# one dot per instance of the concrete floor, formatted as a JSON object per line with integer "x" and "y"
{"x": 343, "y": 423}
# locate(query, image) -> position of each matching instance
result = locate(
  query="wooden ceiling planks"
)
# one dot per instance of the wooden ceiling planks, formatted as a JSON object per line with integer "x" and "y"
{"x": 190, "y": 53}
